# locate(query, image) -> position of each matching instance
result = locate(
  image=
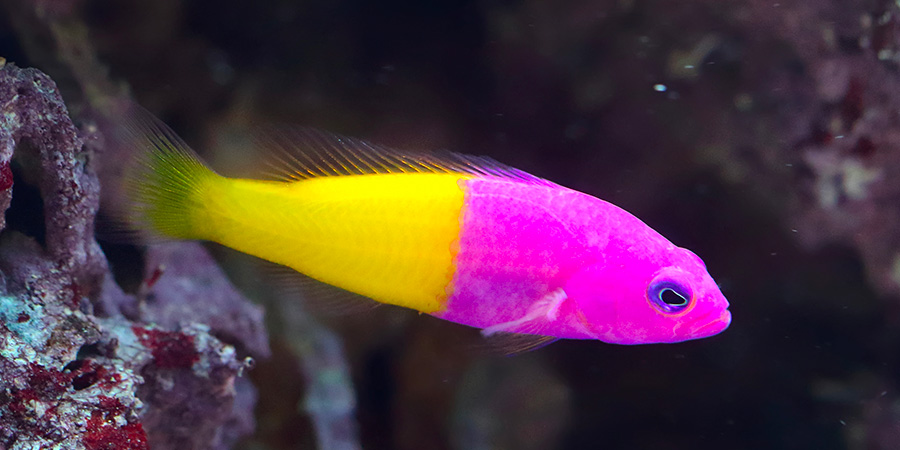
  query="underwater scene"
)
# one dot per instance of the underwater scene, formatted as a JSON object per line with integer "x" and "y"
{"x": 450, "y": 225}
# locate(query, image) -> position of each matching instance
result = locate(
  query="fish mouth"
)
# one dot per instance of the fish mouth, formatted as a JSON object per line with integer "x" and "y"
{"x": 714, "y": 326}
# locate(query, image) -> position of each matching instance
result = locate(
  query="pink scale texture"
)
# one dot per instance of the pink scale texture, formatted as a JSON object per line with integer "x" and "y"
{"x": 524, "y": 244}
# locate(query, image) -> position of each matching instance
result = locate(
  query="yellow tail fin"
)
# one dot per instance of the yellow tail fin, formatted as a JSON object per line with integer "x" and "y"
{"x": 167, "y": 183}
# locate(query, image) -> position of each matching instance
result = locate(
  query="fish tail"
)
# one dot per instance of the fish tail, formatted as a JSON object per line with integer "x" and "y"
{"x": 167, "y": 184}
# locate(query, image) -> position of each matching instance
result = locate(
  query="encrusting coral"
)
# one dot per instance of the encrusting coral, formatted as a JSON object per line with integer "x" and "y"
{"x": 83, "y": 365}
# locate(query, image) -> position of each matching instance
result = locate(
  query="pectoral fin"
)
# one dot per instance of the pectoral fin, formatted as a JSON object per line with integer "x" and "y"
{"x": 542, "y": 311}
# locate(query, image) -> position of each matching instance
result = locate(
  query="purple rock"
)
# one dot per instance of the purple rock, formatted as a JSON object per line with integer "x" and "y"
{"x": 75, "y": 373}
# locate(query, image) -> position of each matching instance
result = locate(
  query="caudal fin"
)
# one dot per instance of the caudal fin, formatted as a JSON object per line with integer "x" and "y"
{"x": 166, "y": 183}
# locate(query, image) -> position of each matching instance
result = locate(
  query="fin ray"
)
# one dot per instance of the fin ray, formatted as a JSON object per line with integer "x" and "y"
{"x": 298, "y": 153}
{"x": 320, "y": 298}
{"x": 509, "y": 344}
{"x": 164, "y": 179}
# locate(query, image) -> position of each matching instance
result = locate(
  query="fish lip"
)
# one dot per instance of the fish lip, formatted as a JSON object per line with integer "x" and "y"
{"x": 714, "y": 326}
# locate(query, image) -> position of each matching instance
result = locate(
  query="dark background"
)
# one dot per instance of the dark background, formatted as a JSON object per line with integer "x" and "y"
{"x": 763, "y": 136}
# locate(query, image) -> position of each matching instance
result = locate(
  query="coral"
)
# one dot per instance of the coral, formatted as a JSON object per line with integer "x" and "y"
{"x": 185, "y": 270}
{"x": 330, "y": 399}
{"x": 75, "y": 373}
{"x": 836, "y": 121}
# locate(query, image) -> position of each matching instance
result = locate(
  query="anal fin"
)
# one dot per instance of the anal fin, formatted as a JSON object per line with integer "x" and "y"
{"x": 320, "y": 298}
{"x": 514, "y": 343}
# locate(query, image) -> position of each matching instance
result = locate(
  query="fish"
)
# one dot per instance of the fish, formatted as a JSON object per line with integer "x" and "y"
{"x": 461, "y": 238}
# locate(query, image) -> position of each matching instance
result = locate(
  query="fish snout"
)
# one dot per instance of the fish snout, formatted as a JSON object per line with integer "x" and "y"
{"x": 712, "y": 324}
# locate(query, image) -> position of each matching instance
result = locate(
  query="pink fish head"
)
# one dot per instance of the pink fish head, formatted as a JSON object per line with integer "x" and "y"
{"x": 657, "y": 294}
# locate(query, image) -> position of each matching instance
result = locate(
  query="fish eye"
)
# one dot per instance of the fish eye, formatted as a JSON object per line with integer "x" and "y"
{"x": 669, "y": 296}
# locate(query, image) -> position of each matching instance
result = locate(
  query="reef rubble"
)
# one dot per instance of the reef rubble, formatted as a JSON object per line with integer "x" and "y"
{"x": 83, "y": 364}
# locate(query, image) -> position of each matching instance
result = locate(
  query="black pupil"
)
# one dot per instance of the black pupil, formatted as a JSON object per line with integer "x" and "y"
{"x": 670, "y": 297}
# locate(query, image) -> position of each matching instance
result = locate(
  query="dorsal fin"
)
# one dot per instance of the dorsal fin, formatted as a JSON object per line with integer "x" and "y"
{"x": 298, "y": 153}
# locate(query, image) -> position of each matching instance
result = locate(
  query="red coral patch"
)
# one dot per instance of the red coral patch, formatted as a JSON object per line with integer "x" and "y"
{"x": 103, "y": 434}
{"x": 6, "y": 177}
{"x": 170, "y": 349}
